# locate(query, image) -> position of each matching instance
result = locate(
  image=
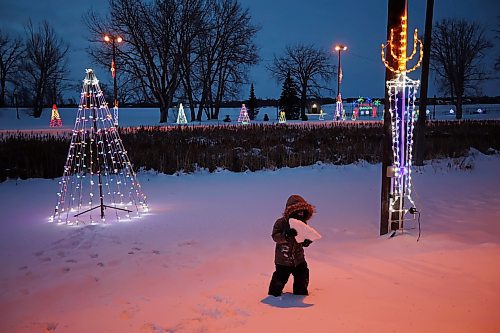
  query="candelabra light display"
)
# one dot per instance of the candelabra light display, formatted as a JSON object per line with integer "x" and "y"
{"x": 402, "y": 93}
{"x": 98, "y": 175}
{"x": 181, "y": 116}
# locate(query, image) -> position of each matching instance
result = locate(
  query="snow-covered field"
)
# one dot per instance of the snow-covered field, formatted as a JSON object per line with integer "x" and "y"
{"x": 151, "y": 116}
{"x": 202, "y": 261}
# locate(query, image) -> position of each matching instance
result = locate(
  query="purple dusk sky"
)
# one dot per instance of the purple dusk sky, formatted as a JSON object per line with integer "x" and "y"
{"x": 361, "y": 25}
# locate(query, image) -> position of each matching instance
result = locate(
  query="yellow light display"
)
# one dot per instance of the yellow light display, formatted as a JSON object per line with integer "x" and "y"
{"x": 401, "y": 56}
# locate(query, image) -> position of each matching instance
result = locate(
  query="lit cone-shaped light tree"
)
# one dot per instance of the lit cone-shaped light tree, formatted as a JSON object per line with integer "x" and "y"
{"x": 181, "y": 116}
{"x": 244, "y": 118}
{"x": 402, "y": 93}
{"x": 98, "y": 176}
{"x": 55, "y": 118}
{"x": 339, "y": 108}
{"x": 282, "y": 117}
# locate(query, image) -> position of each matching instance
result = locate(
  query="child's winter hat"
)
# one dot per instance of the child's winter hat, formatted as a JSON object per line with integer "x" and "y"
{"x": 296, "y": 202}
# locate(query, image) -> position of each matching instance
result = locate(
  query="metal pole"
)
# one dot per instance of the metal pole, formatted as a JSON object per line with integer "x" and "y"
{"x": 115, "y": 90}
{"x": 422, "y": 115}
{"x": 338, "y": 75}
{"x": 395, "y": 10}
{"x": 94, "y": 136}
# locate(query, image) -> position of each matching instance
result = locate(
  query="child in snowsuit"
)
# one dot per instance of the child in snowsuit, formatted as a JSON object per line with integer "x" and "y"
{"x": 289, "y": 255}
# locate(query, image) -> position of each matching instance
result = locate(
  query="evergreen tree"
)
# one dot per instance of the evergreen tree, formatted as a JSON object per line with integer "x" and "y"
{"x": 289, "y": 102}
{"x": 253, "y": 111}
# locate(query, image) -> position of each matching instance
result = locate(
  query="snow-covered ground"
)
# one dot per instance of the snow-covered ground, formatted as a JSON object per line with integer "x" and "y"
{"x": 202, "y": 261}
{"x": 151, "y": 116}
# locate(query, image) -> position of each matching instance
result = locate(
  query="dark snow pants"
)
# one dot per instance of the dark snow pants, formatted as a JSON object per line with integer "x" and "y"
{"x": 280, "y": 278}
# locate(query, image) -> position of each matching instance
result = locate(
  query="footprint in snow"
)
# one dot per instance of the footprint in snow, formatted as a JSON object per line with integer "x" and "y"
{"x": 187, "y": 243}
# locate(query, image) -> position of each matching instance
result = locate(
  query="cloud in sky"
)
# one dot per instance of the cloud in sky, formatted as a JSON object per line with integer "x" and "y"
{"x": 359, "y": 24}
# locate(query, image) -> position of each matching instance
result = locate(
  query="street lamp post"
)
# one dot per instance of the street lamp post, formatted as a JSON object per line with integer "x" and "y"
{"x": 114, "y": 40}
{"x": 338, "y": 106}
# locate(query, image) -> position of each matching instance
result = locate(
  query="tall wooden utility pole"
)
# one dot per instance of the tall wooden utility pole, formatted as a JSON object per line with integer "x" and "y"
{"x": 424, "y": 81}
{"x": 396, "y": 9}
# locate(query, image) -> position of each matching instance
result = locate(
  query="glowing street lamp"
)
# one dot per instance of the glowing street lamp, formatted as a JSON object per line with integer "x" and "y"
{"x": 114, "y": 40}
{"x": 338, "y": 106}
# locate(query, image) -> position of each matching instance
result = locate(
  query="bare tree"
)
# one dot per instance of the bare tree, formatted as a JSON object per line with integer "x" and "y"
{"x": 309, "y": 67}
{"x": 456, "y": 52}
{"x": 129, "y": 88}
{"x": 191, "y": 26}
{"x": 225, "y": 52}
{"x": 193, "y": 49}
{"x": 424, "y": 79}
{"x": 11, "y": 50}
{"x": 44, "y": 65}
{"x": 149, "y": 54}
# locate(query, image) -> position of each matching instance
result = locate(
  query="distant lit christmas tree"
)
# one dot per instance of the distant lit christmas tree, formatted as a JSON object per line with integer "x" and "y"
{"x": 181, "y": 116}
{"x": 282, "y": 117}
{"x": 243, "y": 118}
{"x": 98, "y": 175}
{"x": 55, "y": 119}
{"x": 321, "y": 115}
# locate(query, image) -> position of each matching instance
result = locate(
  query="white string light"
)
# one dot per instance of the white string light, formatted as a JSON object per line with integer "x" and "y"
{"x": 244, "y": 118}
{"x": 97, "y": 174}
{"x": 402, "y": 94}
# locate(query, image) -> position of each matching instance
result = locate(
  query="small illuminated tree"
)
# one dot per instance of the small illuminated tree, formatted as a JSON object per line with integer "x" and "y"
{"x": 402, "y": 93}
{"x": 55, "y": 118}
{"x": 181, "y": 116}
{"x": 98, "y": 174}
{"x": 321, "y": 115}
{"x": 244, "y": 118}
{"x": 282, "y": 117}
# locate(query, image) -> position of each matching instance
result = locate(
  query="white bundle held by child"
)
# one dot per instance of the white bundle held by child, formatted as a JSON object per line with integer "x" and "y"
{"x": 304, "y": 231}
